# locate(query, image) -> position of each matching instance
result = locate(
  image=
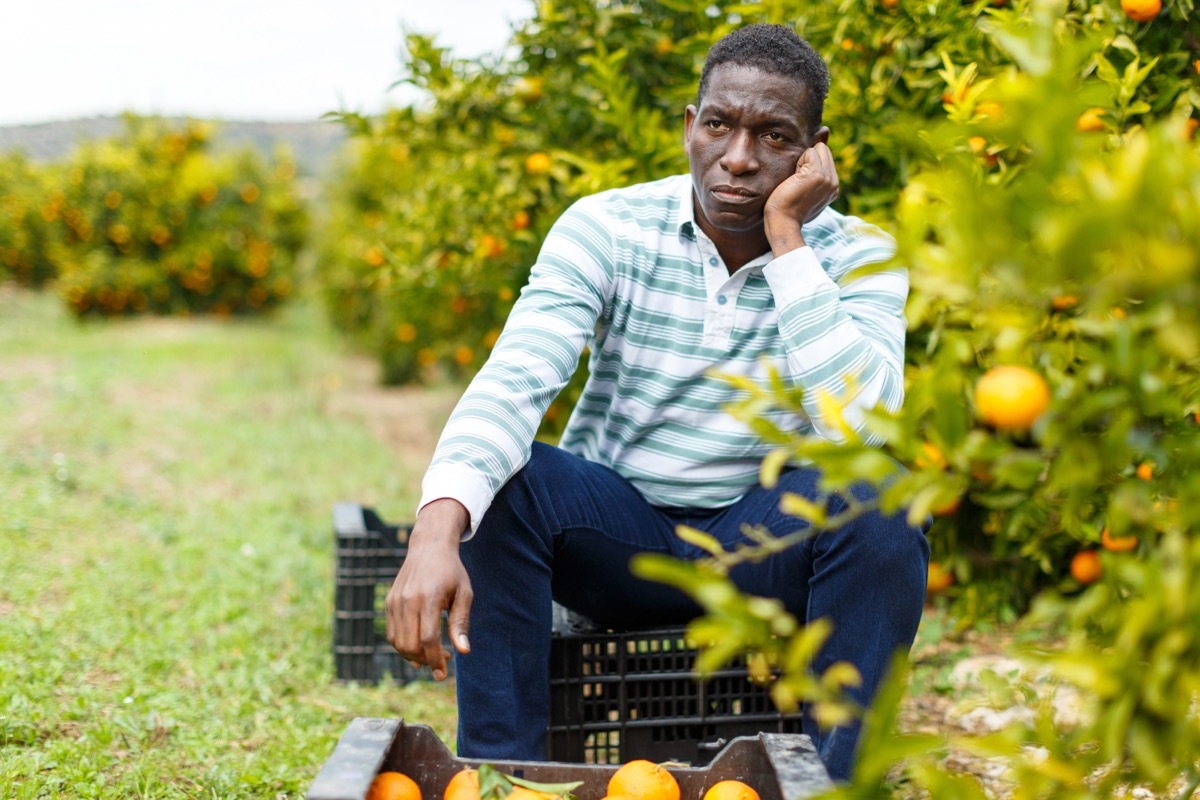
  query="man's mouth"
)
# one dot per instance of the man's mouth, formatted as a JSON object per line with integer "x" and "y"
{"x": 732, "y": 194}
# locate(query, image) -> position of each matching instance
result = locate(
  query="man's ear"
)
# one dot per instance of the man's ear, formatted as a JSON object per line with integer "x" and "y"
{"x": 689, "y": 116}
{"x": 822, "y": 135}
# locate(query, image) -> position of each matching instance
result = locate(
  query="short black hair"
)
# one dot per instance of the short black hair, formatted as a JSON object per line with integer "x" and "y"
{"x": 776, "y": 49}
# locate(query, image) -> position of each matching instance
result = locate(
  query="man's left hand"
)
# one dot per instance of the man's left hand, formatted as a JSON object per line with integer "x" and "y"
{"x": 800, "y": 198}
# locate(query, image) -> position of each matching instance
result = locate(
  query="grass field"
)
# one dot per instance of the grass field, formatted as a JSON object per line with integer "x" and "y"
{"x": 166, "y": 564}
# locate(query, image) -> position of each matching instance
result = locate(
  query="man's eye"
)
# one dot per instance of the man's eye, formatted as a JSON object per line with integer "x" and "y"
{"x": 714, "y": 125}
{"x": 774, "y": 136}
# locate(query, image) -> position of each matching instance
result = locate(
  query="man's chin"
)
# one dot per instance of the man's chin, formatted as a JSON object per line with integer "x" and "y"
{"x": 734, "y": 222}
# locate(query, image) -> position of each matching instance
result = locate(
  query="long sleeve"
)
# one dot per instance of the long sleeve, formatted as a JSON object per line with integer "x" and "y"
{"x": 490, "y": 432}
{"x": 842, "y": 337}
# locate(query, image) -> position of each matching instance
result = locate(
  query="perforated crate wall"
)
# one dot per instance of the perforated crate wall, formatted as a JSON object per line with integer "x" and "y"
{"x": 616, "y": 696}
{"x": 369, "y": 554}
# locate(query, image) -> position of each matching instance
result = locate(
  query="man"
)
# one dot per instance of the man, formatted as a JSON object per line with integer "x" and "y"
{"x": 739, "y": 263}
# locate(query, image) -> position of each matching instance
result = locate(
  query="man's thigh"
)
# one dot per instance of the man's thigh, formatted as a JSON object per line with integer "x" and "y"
{"x": 597, "y": 522}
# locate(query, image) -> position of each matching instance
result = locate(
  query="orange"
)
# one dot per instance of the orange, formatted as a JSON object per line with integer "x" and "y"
{"x": 1085, "y": 567}
{"x": 730, "y": 790}
{"x": 1117, "y": 544}
{"x": 528, "y": 90}
{"x": 932, "y": 457}
{"x": 537, "y": 163}
{"x": 939, "y": 580}
{"x": 949, "y": 508}
{"x": 1064, "y": 302}
{"x": 521, "y": 220}
{"x": 644, "y": 780}
{"x": 1190, "y": 126}
{"x": 990, "y": 109}
{"x": 463, "y": 786}
{"x": 491, "y": 246}
{"x": 1141, "y": 10}
{"x": 1196, "y": 66}
{"x": 1145, "y": 470}
{"x": 1091, "y": 121}
{"x": 1011, "y": 397}
{"x": 889, "y": 3}
{"x": 393, "y": 786}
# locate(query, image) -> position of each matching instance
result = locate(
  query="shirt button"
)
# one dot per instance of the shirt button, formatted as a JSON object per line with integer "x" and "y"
{"x": 722, "y": 300}
{"x": 712, "y": 261}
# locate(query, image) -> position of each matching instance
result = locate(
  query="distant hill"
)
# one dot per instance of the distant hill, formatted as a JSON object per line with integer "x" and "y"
{"x": 313, "y": 144}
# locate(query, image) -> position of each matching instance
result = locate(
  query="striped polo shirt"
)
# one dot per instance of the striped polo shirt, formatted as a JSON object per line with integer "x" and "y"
{"x": 629, "y": 274}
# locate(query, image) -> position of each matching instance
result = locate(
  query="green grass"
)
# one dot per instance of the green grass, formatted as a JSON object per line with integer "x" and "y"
{"x": 166, "y": 559}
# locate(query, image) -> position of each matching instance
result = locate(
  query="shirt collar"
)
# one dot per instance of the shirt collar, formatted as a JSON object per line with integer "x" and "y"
{"x": 687, "y": 212}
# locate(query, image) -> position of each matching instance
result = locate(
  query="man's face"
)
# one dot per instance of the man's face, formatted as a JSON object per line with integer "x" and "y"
{"x": 742, "y": 142}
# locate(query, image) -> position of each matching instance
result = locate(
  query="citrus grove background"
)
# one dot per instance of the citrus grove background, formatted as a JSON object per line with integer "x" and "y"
{"x": 1038, "y": 165}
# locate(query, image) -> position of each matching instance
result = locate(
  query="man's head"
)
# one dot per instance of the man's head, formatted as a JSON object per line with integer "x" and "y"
{"x": 778, "y": 50}
{"x": 759, "y": 109}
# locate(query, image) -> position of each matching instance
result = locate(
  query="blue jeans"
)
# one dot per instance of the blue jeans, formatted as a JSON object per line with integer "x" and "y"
{"x": 565, "y": 528}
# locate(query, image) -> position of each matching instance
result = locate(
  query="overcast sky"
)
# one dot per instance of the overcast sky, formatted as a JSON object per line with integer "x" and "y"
{"x": 230, "y": 59}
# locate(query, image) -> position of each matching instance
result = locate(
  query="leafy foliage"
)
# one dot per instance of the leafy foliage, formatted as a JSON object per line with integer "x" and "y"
{"x": 26, "y": 240}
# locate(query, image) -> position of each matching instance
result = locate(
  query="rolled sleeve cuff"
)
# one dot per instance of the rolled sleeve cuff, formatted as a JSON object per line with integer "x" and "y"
{"x": 797, "y": 276}
{"x": 460, "y": 483}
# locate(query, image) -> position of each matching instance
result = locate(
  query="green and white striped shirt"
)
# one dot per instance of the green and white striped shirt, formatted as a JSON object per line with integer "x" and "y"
{"x": 630, "y": 274}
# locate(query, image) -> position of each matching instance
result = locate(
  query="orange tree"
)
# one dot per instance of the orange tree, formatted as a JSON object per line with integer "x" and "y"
{"x": 153, "y": 222}
{"x": 1051, "y": 415}
{"x": 26, "y": 239}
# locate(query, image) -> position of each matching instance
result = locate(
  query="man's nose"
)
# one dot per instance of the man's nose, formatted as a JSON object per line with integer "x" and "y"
{"x": 740, "y": 155}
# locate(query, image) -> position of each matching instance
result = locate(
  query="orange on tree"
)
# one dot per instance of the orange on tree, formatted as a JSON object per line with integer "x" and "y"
{"x": 1011, "y": 397}
{"x": 730, "y": 790}
{"x": 1189, "y": 127}
{"x": 939, "y": 578}
{"x": 393, "y": 786}
{"x": 463, "y": 786}
{"x": 520, "y": 220}
{"x": 949, "y": 508}
{"x": 1117, "y": 544}
{"x": 1141, "y": 10}
{"x": 644, "y": 780}
{"x": 492, "y": 246}
{"x": 931, "y": 457}
{"x": 990, "y": 109}
{"x": 1091, "y": 121}
{"x": 528, "y": 90}
{"x": 1086, "y": 567}
{"x": 1145, "y": 470}
{"x": 1063, "y": 302}
{"x": 538, "y": 163}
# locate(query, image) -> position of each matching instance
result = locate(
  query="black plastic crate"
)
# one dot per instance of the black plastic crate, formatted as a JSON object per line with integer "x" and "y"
{"x": 369, "y": 554}
{"x": 616, "y": 696}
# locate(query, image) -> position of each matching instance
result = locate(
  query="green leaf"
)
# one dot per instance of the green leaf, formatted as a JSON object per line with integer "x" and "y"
{"x": 493, "y": 784}
{"x": 772, "y": 464}
{"x": 799, "y": 506}
{"x": 547, "y": 788}
{"x": 697, "y": 538}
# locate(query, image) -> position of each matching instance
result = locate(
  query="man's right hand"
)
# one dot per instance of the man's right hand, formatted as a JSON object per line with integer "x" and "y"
{"x": 432, "y": 579}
